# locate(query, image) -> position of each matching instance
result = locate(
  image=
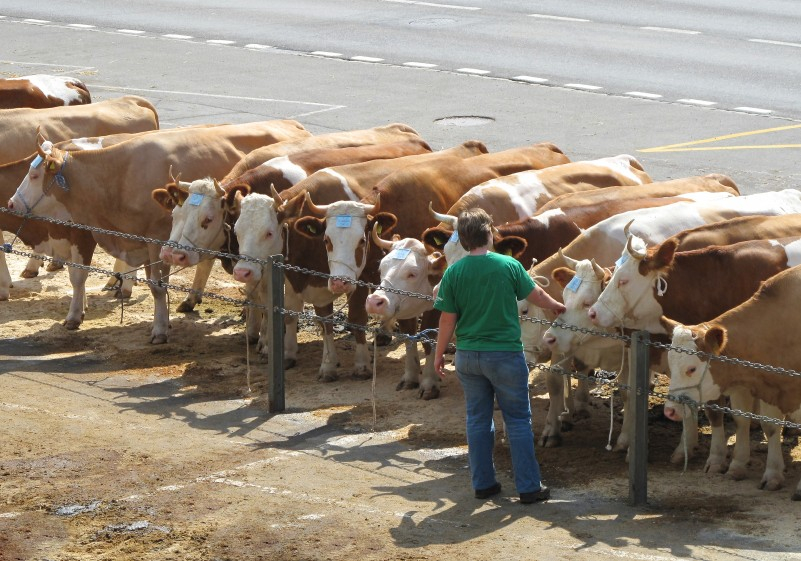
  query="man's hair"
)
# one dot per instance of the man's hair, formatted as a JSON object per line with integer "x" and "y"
{"x": 474, "y": 227}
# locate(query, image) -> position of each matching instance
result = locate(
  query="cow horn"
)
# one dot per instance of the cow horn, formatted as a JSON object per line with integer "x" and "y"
{"x": 569, "y": 261}
{"x": 634, "y": 253}
{"x": 277, "y": 200}
{"x": 386, "y": 245}
{"x": 452, "y": 221}
{"x": 627, "y": 227}
{"x": 220, "y": 191}
{"x": 318, "y": 211}
{"x": 600, "y": 274}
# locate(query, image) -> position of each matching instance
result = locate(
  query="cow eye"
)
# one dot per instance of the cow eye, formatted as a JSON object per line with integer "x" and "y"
{"x": 622, "y": 282}
{"x": 691, "y": 371}
{"x": 268, "y": 235}
{"x": 206, "y": 222}
{"x": 411, "y": 275}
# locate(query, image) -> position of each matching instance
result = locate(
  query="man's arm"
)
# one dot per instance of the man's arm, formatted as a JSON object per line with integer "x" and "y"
{"x": 447, "y": 325}
{"x": 540, "y": 298}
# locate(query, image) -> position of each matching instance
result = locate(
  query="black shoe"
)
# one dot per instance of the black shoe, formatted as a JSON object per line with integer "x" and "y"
{"x": 488, "y": 492}
{"x": 536, "y": 496}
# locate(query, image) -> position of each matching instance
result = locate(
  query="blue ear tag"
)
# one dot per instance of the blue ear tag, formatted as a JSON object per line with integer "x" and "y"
{"x": 400, "y": 253}
{"x": 343, "y": 221}
{"x": 195, "y": 199}
{"x": 37, "y": 161}
{"x": 454, "y": 237}
{"x": 574, "y": 284}
{"x": 623, "y": 259}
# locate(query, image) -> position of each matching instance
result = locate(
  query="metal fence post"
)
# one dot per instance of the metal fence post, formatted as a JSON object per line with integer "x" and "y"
{"x": 639, "y": 365}
{"x": 275, "y": 333}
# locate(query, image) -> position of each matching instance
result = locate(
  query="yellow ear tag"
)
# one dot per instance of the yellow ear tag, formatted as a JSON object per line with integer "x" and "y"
{"x": 312, "y": 229}
{"x": 508, "y": 252}
{"x": 51, "y": 166}
{"x": 379, "y": 230}
{"x": 438, "y": 239}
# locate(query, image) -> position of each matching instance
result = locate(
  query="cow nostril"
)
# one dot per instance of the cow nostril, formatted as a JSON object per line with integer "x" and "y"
{"x": 591, "y": 313}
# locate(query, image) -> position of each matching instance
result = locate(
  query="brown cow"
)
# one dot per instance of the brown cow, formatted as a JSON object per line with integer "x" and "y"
{"x": 40, "y": 91}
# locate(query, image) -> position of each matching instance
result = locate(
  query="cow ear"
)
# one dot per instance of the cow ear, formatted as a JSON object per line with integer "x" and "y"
{"x": 663, "y": 256}
{"x": 386, "y": 223}
{"x": 513, "y": 246}
{"x": 437, "y": 268}
{"x": 163, "y": 198}
{"x": 294, "y": 206}
{"x": 310, "y": 226}
{"x": 668, "y": 325}
{"x": 436, "y": 238}
{"x": 563, "y": 275}
{"x": 178, "y": 193}
{"x": 232, "y": 200}
{"x": 715, "y": 339}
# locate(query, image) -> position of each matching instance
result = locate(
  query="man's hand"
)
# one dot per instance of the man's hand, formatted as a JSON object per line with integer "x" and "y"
{"x": 439, "y": 366}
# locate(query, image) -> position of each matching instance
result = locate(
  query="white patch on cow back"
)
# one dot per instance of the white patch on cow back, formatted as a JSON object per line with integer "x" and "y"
{"x": 793, "y": 251}
{"x": 290, "y": 170}
{"x": 84, "y": 143}
{"x": 344, "y": 182}
{"x": 545, "y": 217}
{"x": 54, "y": 86}
{"x": 620, "y": 164}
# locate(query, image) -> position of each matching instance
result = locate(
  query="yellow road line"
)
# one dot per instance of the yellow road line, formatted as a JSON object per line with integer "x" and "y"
{"x": 683, "y": 146}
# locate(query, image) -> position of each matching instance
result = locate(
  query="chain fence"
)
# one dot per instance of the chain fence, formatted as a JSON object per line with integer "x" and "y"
{"x": 598, "y": 376}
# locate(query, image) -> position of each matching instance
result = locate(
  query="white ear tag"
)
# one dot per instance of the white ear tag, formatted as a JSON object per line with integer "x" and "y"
{"x": 623, "y": 258}
{"x": 343, "y": 221}
{"x": 454, "y": 237}
{"x": 37, "y": 161}
{"x": 574, "y": 284}
{"x": 399, "y": 253}
{"x": 195, "y": 199}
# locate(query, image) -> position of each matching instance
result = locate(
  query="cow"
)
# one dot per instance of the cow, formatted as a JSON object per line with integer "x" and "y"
{"x": 605, "y": 242}
{"x": 111, "y": 189}
{"x": 40, "y": 91}
{"x": 764, "y": 330}
{"x": 395, "y": 132}
{"x": 123, "y": 114}
{"x": 196, "y": 225}
{"x": 561, "y": 220}
{"x": 407, "y": 266}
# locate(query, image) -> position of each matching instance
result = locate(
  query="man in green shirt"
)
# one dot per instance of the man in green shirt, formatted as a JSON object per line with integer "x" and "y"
{"x": 478, "y": 299}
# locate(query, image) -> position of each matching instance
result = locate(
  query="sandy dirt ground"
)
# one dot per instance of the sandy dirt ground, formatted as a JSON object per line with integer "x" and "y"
{"x": 115, "y": 449}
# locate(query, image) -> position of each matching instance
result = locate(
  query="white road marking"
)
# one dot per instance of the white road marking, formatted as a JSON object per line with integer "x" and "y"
{"x": 366, "y": 58}
{"x": 419, "y": 64}
{"x": 701, "y": 102}
{"x": 531, "y": 79}
{"x": 558, "y": 18}
{"x": 257, "y": 46}
{"x": 781, "y": 43}
{"x": 220, "y": 42}
{"x": 131, "y": 31}
{"x": 433, "y": 5}
{"x": 31, "y": 20}
{"x": 176, "y": 36}
{"x": 81, "y": 25}
{"x": 643, "y": 94}
{"x": 326, "y": 53}
{"x": 754, "y": 110}
{"x": 672, "y": 30}
{"x": 472, "y": 71}
{"x": 583, "y": 87}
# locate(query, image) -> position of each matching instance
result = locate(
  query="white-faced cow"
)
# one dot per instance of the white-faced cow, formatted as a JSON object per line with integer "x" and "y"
{"x": 111, "y": 189}
{"x": 764, "y": 330}
{"x": 40, "y": 91}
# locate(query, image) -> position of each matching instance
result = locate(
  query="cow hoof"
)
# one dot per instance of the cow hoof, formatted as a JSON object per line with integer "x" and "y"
{"x": 713, "y": 466}
{"x": 432, "y": 393}
{"x": 771, "y": 482}
{"x": 71, "y": 324}
{"x": 159, "y": 339}
{"x": 185, "y": 307}
{"x": 27, "y": 274}
{"x": 621, "y": 447}
{"x": 52, "y": 267}
{"x": 567, "y": 426}
{"x": 361, "y": 375}
{"x": 327, "y": 377}
{"x": 382, "y": 340}
{"x": 289, "y": 363}
{"x": 552, "y": 441}
{"x": 122, "y": 294}
{"x": 405, "y": 385}
{"x": 253, "y": 339}
{"x": 737, "y": 473}
{"x": 797, "y": 495}
{"x": 3, "y": 297}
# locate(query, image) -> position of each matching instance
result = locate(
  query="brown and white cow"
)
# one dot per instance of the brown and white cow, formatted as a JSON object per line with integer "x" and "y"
{"x": 267, "y": 228}
{"x": 123, "y": 114}
{"x": 395, "y": 132}
{"x": 764, "y": 330}
{"x": 111, "y": 189}
{"x": 40, "y": 91}
{"x": 605, "y": 242}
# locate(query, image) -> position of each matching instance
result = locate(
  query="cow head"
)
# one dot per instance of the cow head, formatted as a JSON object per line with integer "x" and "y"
{"x": 344, "y": 227}
{"x": 44, "y": 183}
{"x": 690, "y": 375}
{"x": 632, "y": 296}
{"x": 198, "y": 219}
{"x": 258, "y": 230}
{"x": 406, "y": 266}
{"x": 580, "y": 290}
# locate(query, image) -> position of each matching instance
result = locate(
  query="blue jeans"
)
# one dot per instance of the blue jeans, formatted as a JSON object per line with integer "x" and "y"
{"x": 486, "y": 375}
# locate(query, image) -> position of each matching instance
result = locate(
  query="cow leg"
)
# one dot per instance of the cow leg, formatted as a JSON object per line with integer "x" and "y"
{"x": 202, "y": 274}
{"x": 773, "y": 477}
{"x": 357, "y": 315}
{"x": 293, "y": 301}
{"x": 551, "y": 432}
{"x": 31, "y": 269}
{"x": 125, "y": 288}
{"x": 253, "y": 315}
{"x": 411, "y": 367}
{"x": 718, "y": 449}
{"x": 429, "y": 388}
{"x": 5, "y": 276}
{"x": 328, "y": 366}
{"x": 161, "y": 314}
{"x": 78, "y": 303}
{"x": 742, "y": 444}
{"x": 263, "y": 299}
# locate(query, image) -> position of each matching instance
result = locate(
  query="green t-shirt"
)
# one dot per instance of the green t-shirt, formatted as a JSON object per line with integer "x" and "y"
{"x": 483, "y": 290}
